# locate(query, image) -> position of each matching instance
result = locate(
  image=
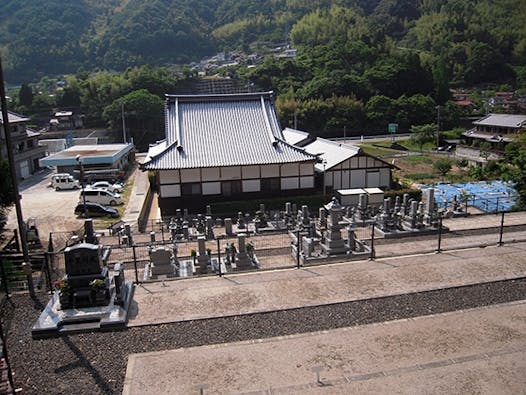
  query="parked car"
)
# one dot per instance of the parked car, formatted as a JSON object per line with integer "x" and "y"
{"x": 101, "y": 196}
{"x": 95, "y": 210}
{"x": 113, "y": 188}
{"x": 64, "y": 181}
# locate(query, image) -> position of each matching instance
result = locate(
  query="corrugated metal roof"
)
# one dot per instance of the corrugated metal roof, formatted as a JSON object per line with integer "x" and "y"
{"x": 330, "y": 152}
{"x": 503, "y": 120}
{"x": 220, "y": 131}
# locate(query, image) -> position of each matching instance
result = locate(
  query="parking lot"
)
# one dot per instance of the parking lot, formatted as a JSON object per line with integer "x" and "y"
{"x": 52, "y": 210}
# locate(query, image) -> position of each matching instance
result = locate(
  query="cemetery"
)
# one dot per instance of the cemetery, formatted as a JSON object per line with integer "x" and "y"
{"x": 89, "y": 296}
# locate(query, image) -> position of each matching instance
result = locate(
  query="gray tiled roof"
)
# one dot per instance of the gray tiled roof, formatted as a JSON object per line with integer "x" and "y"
{"x": 330, "y": 152}
{"x": 503, "y": 120}
{"x": 222, "y": 130}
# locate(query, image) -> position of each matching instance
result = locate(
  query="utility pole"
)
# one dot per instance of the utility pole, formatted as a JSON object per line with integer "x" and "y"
{"x": 11, "y": 160}
{"x": 438, "y": 126}
{"x": 123, "y": 123}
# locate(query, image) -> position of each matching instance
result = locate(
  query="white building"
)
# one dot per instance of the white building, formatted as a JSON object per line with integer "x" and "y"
{"x": 225, "y": 147}
{"x": 342, "y": 166}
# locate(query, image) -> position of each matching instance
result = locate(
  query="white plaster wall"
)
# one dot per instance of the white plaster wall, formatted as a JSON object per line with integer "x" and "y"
{"x": 354, "y": 163}
{"x": 307, "y": 182}
{"x": 337, "y": 180}
{"x": 210, "y": 174}
{"x": 269, "y": 171}
{"x": 211, "y": 188}
{"x": 290, "y": 183}
{"x": 250, "y": 172}
{"x": 373, "y": 179}
{"x": 346, "y": 182}
{"x": 385, "y": 178}
{"x": 362, "y": 162}
{"x": 306, "y": 169}
{"x": 167, "y": 191}
{"x": 371, "y": 162}
{"x": 169, "y": 176}
{"x": 289, "y": 169}
{"x": 251, "y": 185}
{"x": 231, "y": 173}
{"x": 190, "y": 175}
{"x": 328, "y": 178}
{"x": 358, "y": 178}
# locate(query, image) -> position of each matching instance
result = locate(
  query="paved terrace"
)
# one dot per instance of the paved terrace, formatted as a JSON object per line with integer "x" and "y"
{"x": 196, "y": 298}
{"x": 481, "y": 350}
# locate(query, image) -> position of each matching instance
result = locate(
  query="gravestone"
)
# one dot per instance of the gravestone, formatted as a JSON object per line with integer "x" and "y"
{"x": 89, "y": 233}
{"x": 322, "y": 217}
{"x": 240, "y": 221}
{"x": 209, "y": 227}
{"x": 202, "y": 257}
{"x": 228, "y": 226}
{"x": 86, "y": 283}
{"x": 333, "y": 243}
{"x": 243, "y": 261}
{"x": 162, "y": 263}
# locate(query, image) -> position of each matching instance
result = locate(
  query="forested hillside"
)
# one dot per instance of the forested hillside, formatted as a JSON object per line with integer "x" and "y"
{"x": 464, "y": 40}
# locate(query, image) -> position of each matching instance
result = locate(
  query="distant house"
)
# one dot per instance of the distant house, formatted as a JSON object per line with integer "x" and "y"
{"x": 26, "y": 151}
{"x": 342, "y": 166}
{"x": 225, "y": 147}
{"x": 497, "y": 130}
{"x": 506, "y": 100}
{"x": 63, "y": 120}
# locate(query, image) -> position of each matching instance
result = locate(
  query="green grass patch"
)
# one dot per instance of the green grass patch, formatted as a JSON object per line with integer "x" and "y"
{"x": 420, "y": 176}
{"x": 415, "y": 159}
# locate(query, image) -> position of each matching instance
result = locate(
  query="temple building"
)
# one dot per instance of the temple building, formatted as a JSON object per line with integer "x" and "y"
{"x": 225, "y": 147}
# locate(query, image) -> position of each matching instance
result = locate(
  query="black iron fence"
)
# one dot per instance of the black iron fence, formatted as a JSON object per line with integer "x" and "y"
{"x": 272, "y": 250}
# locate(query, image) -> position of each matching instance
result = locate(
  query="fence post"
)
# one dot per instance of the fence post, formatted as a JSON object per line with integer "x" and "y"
{"x": 48, "y": 272}
{"x": 4, "y": 278}
{"x": 28, "y": 271}
{"x": 298, "y": 249}
{"x": 135, "y": 264}
{"x": 501, "y": 229}
{"x": 219, "y": 257}
{"x": 439, "y": 249}
{"x": 372, "y": 256}
{"x": 162, "y": 230}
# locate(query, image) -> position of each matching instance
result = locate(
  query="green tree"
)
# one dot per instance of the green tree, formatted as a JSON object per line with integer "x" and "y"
{"x": 423, "y": 134}
{"x": 25, "y": 95}
{"x": 144, "y": 116}
{"x": 443, "y": 165}
{"x": 515, "y": 155}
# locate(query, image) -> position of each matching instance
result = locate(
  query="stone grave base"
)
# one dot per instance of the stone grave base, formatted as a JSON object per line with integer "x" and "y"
{"x": 398, "y": 234}
{"x": 55, "y": 322}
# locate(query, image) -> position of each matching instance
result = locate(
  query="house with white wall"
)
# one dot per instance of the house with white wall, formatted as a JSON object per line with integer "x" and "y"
{"x": 342, "y": 166}
{"x": 26, "y": 151}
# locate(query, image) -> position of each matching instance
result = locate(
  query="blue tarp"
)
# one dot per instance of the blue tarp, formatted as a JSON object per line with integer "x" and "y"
{"x": 490, "y": 196}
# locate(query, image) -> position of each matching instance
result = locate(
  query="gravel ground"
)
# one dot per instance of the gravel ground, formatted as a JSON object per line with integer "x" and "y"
{"x": 95, "y": 363}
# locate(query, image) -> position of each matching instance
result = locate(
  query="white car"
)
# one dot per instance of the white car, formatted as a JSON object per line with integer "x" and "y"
{"x": 64, "y": 181}
{"x": 114, "y": 188}
{"x": 101, "y": 196}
